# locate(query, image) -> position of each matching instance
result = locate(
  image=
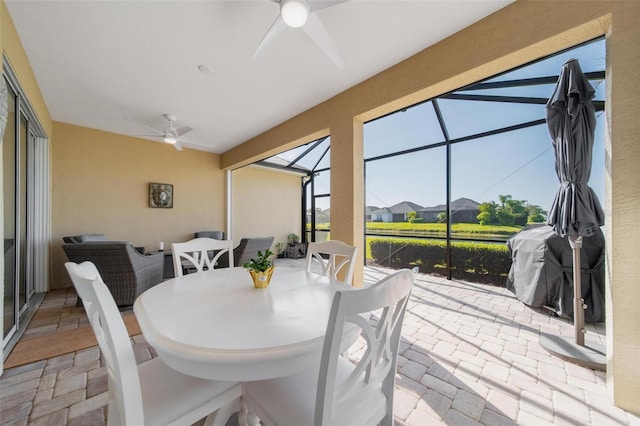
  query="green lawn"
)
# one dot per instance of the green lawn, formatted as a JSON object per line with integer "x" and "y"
{"x": 467, "y": 228}
{"x": 441, "y": 228}
{"x": 459, "y": 230}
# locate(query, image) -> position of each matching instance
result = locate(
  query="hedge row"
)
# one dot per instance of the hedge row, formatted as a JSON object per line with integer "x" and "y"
{"x": 470, "y": 261}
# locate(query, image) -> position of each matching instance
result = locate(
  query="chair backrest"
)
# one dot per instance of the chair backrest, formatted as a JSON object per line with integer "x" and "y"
{"x": 248, "y": 248}
{"x": 99, "y": 252}
{"x": 200, "y": 253}
{"x": 125, "y": 395}
{"x": 334, "y": 258}
{"x": 216, "y": 235}
{"x": 376, "y": 369}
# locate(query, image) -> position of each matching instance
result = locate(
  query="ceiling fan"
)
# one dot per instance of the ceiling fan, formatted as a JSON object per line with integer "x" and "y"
{"x": 169, "y": 134}
{"x": 302, "y": 14}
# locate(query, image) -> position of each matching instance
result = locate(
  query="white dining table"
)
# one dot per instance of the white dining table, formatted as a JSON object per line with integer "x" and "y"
{"x": 216, "y": 325}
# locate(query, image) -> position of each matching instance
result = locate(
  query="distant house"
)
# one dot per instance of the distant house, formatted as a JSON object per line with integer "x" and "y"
{"x": 396, "y": 213}
{"x": 368, "y": 210}
{"x": 322, "y": 216}
{"x": 401, "y": 210}
{"x": 464, "y": 210}
{"x": 382, "y": 215}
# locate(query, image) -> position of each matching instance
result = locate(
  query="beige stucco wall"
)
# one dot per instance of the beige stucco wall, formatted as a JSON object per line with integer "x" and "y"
{"x": 14, "y": 51}
{"x": 265, "y": 203}
{"x": 519, "y": 33}
{"x": 101, "y": 185}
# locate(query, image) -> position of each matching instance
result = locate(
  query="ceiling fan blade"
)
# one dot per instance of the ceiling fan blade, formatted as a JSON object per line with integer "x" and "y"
{"x": 319, "y": 5}
{"x": 319, "y": 34}
{"x": 182, "y": 130}
{"x": 276, "y": 28}
{"x": 159, "y": 132}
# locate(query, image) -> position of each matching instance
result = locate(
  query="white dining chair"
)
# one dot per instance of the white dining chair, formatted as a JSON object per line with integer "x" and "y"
{"x": 333, "y": 258}
{"x": 199, "y": 253}
{"x": 337, "y": 391}
{"x": 150, "y": 393}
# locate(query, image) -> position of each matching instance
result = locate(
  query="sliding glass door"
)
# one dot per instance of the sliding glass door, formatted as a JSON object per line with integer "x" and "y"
{"x": 10, "y": 313}
{"x": 25, "y": 210}
{"x": 18, "y": 285}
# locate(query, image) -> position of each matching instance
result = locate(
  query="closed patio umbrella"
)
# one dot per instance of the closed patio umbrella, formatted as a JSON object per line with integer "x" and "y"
{"x": 576, "y": 211}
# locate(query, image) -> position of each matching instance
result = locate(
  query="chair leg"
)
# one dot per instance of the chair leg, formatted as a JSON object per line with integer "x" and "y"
{"x": 246, "y": 416}
{"x": 222, "y": 415}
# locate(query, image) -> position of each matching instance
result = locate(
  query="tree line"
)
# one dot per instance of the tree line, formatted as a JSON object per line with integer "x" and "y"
{"x": 510, "y": 212}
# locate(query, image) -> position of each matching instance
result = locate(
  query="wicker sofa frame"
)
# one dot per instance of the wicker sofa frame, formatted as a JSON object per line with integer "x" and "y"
{"x": 247, "y": 248}
{"x": 126, "y": 272}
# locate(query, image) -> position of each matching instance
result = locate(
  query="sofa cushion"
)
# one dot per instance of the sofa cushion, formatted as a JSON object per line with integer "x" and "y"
{"x": 84, "y": 238}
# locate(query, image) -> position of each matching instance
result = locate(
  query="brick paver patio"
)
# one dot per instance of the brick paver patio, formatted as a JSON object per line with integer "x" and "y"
{"x": 469, "y": 356}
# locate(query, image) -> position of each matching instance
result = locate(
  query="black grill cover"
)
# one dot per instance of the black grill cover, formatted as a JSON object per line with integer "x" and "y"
{"x": 541, "y": 272}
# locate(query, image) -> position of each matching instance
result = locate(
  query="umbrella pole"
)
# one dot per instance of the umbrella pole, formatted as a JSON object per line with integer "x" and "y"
{"x": 578, "y": 301}
{"x": 591, "y": 355}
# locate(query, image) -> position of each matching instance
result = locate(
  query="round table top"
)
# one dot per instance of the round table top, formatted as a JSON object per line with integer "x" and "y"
{"x": 215, "y": 324}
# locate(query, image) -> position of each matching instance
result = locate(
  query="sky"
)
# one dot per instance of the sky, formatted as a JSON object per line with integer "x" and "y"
{"x": 518, "y": 163}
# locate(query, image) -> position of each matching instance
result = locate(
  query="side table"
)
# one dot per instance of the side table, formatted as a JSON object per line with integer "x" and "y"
{"x": 296, "y": 250}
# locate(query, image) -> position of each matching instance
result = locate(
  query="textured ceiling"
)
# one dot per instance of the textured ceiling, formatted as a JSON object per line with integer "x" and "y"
{"x": 101, "y": 64}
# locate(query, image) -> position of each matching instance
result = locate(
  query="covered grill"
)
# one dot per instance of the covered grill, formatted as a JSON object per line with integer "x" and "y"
{"x": 541, "y": 273}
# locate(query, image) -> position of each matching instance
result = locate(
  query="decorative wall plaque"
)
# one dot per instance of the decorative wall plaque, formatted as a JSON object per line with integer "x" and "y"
{"x": 161, "y": 195}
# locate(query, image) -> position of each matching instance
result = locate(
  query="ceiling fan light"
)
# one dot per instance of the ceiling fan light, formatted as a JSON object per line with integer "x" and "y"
{"x": 294, "y": 12}
{"x": 170, "y": 139}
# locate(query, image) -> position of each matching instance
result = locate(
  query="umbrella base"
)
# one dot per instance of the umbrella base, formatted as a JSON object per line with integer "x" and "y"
{"x": 591, "y": 355}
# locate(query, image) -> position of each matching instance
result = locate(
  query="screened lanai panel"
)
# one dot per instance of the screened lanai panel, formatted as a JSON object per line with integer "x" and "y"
{"x": 310, "y": 156}
{"x": 518, "y": 96}
{"x": 418, "y": 177}
{"x": 317, "y": 154}
{"x": 406, "y": 129}
{"x": 539, "y": 91}
{"x": 502, "y": 169}
{"x": 466, "y": 118}
{"x": 324, "y": 150}
{"x": 323, "y": 220}
{"x": 318, "y": 200}
{"x": 322, "y": 183}
{"x": 592, "y": 58}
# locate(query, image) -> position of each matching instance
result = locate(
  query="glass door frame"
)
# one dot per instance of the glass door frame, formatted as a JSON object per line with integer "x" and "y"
{"x": 28, "y": 133}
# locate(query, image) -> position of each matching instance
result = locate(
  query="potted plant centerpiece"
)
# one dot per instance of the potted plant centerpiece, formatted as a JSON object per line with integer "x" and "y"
{"x": 261, "y": 269}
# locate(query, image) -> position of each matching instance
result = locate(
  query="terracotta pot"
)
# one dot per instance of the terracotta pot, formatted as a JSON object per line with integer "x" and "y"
{"x": 262, "y": 279}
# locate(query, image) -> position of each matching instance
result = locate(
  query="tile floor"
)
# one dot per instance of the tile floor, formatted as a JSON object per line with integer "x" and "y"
{"x": 469, "y": 356}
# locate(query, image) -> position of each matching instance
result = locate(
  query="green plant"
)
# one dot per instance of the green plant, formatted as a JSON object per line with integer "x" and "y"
{"x": 293, "y": 238}
{"x": 472, "y": 261}
{"x": 261, "y": 263}
{"x": 279, "y": 247}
